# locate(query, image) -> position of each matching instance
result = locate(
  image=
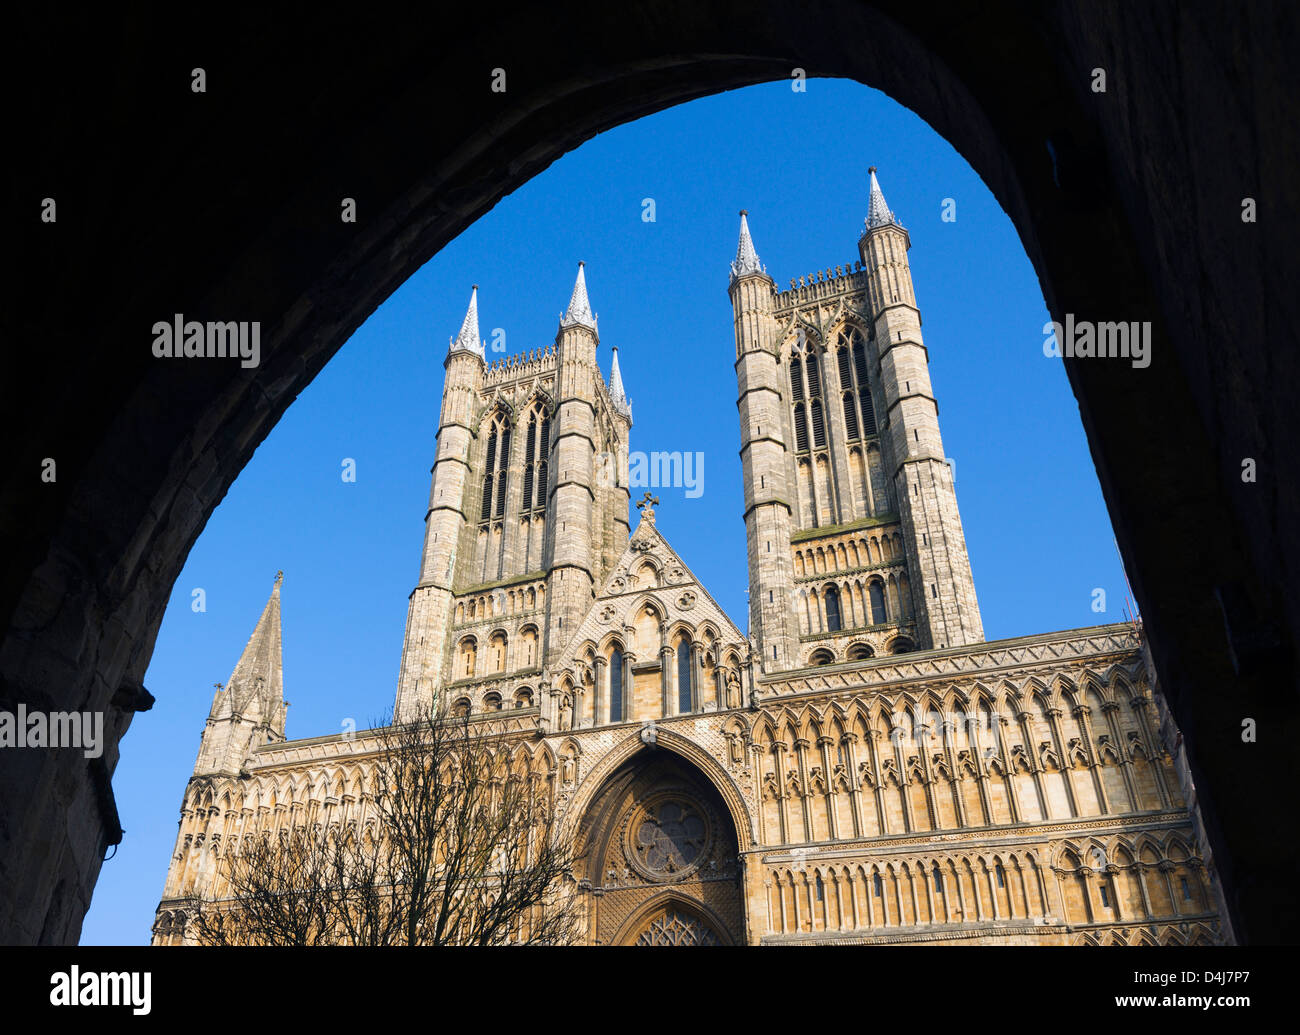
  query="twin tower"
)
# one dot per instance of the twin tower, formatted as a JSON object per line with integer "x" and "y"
{"x": 854, "y": 539}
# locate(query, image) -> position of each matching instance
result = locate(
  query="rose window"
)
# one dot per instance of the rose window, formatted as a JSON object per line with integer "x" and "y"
{"x": 668, "y": 838}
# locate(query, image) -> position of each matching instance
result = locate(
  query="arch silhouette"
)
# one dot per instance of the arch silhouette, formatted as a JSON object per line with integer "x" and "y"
{"x": 1079, "y": 184}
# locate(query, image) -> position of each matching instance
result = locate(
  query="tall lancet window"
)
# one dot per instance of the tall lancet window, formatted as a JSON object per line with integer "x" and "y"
{"x": 806, "y": 396}
{"x": 876, "y": 593}
{"x": 616, "y": 685}
{"x": 536, "y": 447}
{"x": 855, "y": 389}
{"x": 684, "y": 676}
{"x": 496, "y": 463}
{"x": 833, "y": 621}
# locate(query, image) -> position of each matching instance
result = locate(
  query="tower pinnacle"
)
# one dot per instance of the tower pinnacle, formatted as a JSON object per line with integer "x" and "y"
{"x": 746, "y": 257}
{"x": 579, "y": 313}
{"x": 616, "y": 393}
{"x": 259, "y": 673}
{"x": 878, "y": 213}
{"x": 468, "y": 340}
{"x": 249, "y": 710}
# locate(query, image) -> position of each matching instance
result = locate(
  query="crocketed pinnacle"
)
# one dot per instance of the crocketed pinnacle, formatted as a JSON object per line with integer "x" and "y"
{"x": 579, "y": 313}
{"x": 746, "y": 257}
{"x": 878, "y": 213}
{"x": 616, "y": 394}
{"x": 468, "y": 340}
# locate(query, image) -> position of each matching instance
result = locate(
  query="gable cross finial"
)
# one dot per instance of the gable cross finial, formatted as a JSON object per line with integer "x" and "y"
{"x": 647, "y": 505}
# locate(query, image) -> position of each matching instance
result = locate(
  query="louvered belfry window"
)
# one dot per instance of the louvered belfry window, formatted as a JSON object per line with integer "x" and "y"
{"x": 805, "y": 393}
{"x": 496, "y": 461}
{"x": 536, "y": 447}
{"x": 855, "y": 388}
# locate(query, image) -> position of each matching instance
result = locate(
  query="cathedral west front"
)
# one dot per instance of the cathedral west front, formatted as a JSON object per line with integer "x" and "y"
{"x": 859, "y": 766}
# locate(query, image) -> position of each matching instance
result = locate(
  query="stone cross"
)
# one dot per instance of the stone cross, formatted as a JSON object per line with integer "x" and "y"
{"x": 647, "y": 505}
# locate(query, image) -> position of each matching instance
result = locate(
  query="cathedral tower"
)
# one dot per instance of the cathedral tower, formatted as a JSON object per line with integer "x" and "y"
{"x": 943, "y": 589}
{"x": 527, "y": 507}
{"x": 855, "y": 542}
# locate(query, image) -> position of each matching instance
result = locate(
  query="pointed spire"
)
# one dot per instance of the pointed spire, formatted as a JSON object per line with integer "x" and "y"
{"x": 746, "y": 257}
{"x": 259, "y": 674}
{"x": 579, "y": 313}
{"x": 616, "y": 393}
{"x": 468, "y": 340}
{"x": 878, "y": 213}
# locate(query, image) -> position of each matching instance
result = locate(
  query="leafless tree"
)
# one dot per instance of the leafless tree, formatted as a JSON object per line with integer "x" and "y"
{"x": 279, "y": 890}
{"x": 457, "y": 845}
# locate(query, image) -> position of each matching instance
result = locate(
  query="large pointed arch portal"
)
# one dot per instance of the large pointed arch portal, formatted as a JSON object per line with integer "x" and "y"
{"x": 660, "y": 857}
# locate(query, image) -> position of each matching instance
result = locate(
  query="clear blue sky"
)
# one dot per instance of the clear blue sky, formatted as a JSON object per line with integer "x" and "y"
{"x": 1037, "y": 528}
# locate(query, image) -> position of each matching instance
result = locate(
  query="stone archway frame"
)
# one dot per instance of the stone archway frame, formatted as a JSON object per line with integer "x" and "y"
{"x": 670, "y": 896}
{"x": 665, "y": 740}
{"x": 1077, "y": 182}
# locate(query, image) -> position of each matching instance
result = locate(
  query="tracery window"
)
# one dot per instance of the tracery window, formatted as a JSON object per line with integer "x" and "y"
{"x": 669, "y": 838}
{"x": 673, "y": 927}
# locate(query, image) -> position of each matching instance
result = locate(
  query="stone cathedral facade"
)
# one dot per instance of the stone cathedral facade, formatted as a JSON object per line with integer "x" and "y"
{"x": 861, "y": 766}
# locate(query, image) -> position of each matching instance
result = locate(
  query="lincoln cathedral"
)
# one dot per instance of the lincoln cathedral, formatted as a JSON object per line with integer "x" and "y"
{"x": 857, "y": 766}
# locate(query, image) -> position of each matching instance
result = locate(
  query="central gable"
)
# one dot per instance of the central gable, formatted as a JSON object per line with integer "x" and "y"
{"x": 650, "y": 601}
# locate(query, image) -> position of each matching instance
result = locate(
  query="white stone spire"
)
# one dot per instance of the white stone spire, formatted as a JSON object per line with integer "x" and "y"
{"x": 579, "y": 313}
{"x": 468, "y": 340}
{"x": 878, "y": 213}
{"x": 746, "y": 256}
{"x": 616, "y": 393}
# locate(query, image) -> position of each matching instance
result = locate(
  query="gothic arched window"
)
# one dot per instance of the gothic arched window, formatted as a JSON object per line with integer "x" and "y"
{"x": 833, "y": 622}
{"x": 536, "y": 451}
{"x": 616, "y": 685}
{"x": 684, "y": 677}
{"x": 855, "y": 388}
{"x": 806, "y": 399}
{"x": 496, "y": 463}
{"x": 877, "y": 593}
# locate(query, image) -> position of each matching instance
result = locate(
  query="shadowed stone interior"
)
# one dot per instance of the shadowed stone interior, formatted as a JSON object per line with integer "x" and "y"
{"x": 224, "y": 205}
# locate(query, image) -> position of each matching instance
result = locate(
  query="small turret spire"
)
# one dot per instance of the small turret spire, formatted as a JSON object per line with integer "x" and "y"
{"x": 579, "y": 313}
{"x": 746, "y": 257}
{"x": 878, "y": 213}
{"x": 249, "y": 710}
{"x": 616, "y": 393}
{"x": 259, "y": 673}
{"x": 468, "y": 340}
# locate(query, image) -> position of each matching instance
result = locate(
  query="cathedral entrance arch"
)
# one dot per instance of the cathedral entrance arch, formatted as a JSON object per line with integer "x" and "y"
{"x": 661, "y": 857}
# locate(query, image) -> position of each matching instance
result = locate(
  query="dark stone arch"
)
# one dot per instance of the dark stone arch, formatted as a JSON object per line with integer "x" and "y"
{"x": 1128, "y": 211}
